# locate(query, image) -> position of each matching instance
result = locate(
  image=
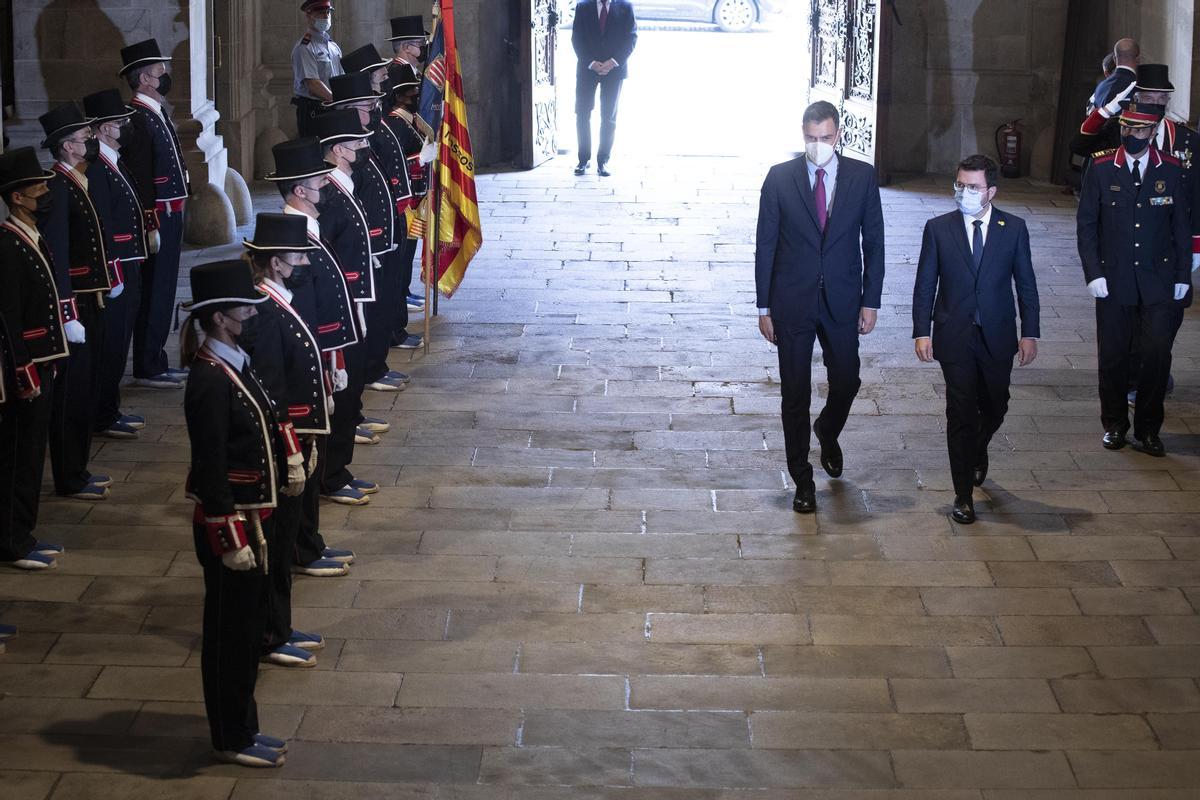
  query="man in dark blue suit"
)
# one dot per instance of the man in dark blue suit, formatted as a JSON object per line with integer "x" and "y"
{"x": 604, "y": 35}
{"x": 970, "y": 260}
{"x": 818, "y": 269}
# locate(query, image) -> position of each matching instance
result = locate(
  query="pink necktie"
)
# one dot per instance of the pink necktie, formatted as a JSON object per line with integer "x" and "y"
{"x": 603, "y": 14}
{"x": 819, "y": 196}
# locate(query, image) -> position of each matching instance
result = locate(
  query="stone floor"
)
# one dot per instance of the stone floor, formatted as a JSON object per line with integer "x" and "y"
{"x": 587, "y": 581}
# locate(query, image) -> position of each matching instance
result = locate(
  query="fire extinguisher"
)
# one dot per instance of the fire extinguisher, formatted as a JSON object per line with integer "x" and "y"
{"x": 1008, "y": 148}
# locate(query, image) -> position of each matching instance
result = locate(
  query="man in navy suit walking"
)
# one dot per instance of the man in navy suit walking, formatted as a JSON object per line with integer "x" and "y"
{"x": 970, "y": 260}
{"x": 818, "y": 270}
{"x": 604, "y": 35}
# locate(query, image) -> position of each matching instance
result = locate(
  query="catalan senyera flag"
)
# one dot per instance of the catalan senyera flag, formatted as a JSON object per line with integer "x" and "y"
{"x": 460, "y": 234}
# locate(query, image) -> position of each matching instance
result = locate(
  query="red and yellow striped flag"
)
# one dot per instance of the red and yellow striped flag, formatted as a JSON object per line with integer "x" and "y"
{"x": 460, "y": 234}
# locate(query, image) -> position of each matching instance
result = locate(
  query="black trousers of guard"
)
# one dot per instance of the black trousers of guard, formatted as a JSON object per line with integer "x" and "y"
{"x": 1154, "y": 327}
{"x": 120, "y": 314}
{"x": 839, "y": 348}
{"x": 406, "y": 258}
{"x": 73, "y": 404}
{"x": 160, "y": 279}
{"x": 346, "y": 416}
{"x": 286, "y": 521}
{"x": 976, "y": 402}
{"x": 23, "y": 426}
{"x": 310, "y": 545}
{"x": 381, "y": 315}
{"x": 586, "y": 83}
{"x": 235, "y": 622}
{"x": 306, "y": 114}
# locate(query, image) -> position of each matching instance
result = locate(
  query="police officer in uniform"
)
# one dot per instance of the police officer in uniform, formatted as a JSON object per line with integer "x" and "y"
{"x": 114, "y": 194}
{"x": 288, "y": 364}
{"x": 1134, "y": 235}
{"x": 75, "y": 238}
{"x": 242, "y": 459}
{"x": 316, "y": 58}
{"x": 155, "y": 158}
{"x": 35, "y": 342}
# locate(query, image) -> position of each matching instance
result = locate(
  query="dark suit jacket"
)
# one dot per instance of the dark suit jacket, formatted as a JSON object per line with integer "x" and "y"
{"x": 792, "y": 256}
{"x": 617, "y": 41}
{"x": 949, "y": 291}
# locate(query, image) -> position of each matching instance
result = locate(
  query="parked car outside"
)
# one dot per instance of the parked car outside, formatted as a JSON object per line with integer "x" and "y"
{"x": 734, "y": 16}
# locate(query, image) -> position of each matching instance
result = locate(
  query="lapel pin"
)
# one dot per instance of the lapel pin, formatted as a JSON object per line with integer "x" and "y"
{"x": 1000, "y": 222}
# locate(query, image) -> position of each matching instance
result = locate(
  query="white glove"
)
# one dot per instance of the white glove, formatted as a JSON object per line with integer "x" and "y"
{"x": 241, "y": 560}
{"x": 1113, "y": 107}
{"x": 295, "y": 475}
{"x": 76, "y": 333}
{"x": 116, "y": 291}
{"x": 153, "y": 242}
{"x": 1099, "y": 288}
{"x": 1181, "y": 290}
{"x": 1195, "y": 261}
{"x": 428, "y": 153}
{"x": 340, "y": 380}
{"x": 311, "y": 467}
{"x": 376, "y": 263}
{"x": 330, "y": 405}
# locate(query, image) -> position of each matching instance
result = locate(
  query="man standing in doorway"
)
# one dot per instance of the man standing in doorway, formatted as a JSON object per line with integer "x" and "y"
{"x": 819, "y": 275}
{"x": 315, "y": 59}
{"x": 604, "y": 36}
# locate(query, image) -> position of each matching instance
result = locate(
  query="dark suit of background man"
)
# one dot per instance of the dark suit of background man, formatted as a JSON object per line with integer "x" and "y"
{"x": 604, "y": 35}
{"x": 816, "y": 281}
{"x": 970, "y": 260}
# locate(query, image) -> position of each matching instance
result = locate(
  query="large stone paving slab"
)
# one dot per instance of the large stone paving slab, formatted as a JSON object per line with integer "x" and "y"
{"x": 583, "y": 578}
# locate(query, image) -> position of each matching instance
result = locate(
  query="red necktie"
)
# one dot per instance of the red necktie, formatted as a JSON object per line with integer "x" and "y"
{"x": 603, "y": 14}
{"x": 819, "y": 195}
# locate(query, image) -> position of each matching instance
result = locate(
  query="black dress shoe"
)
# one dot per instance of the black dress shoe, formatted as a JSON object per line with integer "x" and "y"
{"x": 1150, "y": 445}
{"x": 1114, "y": 440}
{"x": 805, "y": 501}
{"x": 582, "y": 168}
{"x": 602, "y": 170}
{"x": 980, "y": 473}
{"x": 964, "y": 511}
{"x": 831, "y": 452}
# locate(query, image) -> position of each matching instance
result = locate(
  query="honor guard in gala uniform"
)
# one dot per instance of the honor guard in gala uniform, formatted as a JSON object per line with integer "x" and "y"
{"x": 75, "y": 238}
{"x": 155, "y": 159}
{"x": 409, "y": 40}
{"x": 344, "y": 225}
{"x": 402, "y": 120}
{"x": 373, "y": 187}
{"x": 289, "y": 366}
{"x": 316, "y": 59}
{"x": 1134, "y": 235}
{"x": 243, "y": 458}
{"x": 115, "y": 197}
{"x": 34, "y": 342}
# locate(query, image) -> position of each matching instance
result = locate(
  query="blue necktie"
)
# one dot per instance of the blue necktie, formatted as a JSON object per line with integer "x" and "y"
{"x": 977, "y": 243}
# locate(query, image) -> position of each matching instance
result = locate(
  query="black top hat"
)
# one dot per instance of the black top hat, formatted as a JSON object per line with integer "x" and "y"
{"x": 223, "y": 284}
{"x": 1154, "y": 78}
{"x": 316, "y": 5}
{"x": 106, "y": 105}
{"x": 339, "y": 125}
{"x": 62, "y": 121}
{"x": 141, "y": 54}
{"x": 19, "y": 167}
{"x": 283, "y": 233}
{"x": 412, "y": 27}
{"x": 353, "y": 87}
{"x": 298, "y": 159}
{"x": 364, "y": 59}
{"x": 402, "y": 75}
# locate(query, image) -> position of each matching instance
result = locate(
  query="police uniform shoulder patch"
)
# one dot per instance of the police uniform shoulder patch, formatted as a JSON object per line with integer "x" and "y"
{"x": 1104, "y": 155}
{"x": 307, "y": 39}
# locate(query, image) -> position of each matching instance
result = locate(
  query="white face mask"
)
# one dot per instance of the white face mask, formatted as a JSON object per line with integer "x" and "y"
{"x": 970, "y": 201}
{"x": 323, "y": 25}
{"x": 818, "y": 153}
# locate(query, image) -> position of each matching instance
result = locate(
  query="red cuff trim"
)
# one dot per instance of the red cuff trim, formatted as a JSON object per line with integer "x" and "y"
{"x": 118, "y": 274}
{"x": 1196, "y": 244}
{"x": 291, "y": 442}
{"x": 70, "y": 311}
{"x": 225, "y": 534}
{"x": 28, "y": 378}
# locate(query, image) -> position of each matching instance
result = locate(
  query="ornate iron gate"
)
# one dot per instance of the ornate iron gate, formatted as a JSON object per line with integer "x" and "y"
{"x": 539, "y": 139}
{"x": 846, "y": 46}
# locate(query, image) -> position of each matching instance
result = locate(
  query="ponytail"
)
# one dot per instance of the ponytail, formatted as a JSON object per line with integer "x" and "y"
{"x": 189, "y": 337}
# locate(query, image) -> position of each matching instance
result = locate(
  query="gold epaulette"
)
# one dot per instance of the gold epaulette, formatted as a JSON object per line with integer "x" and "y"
{"x": 1102, "y": 153}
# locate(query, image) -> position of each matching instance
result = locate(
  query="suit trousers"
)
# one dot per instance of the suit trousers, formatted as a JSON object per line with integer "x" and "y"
{"x": 976, "y": 402}
{"x": 160, "y": 279}
{"x": 235, "y": 620}
{"x": 1154, "y": 327}
{"x": 585, "y": 101}
{"x": 23, "y": 426}
{"x": 406, "y": 259}
{"x": 381, "y": 315}
{"x": 839, "y": 349}
{"x": 309, "y": 542}
{"x": 120, "y": 313}
{"x": 346, "y": 416}
{"x": 286, "y": 521}
{"x": 73, "y": 405}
